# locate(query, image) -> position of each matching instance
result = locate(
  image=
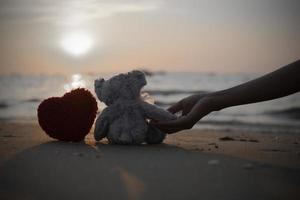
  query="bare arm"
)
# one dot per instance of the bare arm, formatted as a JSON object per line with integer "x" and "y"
{"x": 280, "y": 83}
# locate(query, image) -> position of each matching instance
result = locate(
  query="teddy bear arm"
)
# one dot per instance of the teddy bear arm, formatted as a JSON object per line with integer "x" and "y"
{"x": 101, "y": 128}
{"x": 155, "y": 113}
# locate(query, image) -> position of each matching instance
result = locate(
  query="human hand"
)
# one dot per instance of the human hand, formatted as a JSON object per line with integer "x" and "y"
{"x": 193, "y": 108}
{"x": 285, "y": 80}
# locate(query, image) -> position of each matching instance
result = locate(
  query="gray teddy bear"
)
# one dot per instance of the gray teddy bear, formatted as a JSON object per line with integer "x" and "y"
{"x": 125, "y": 119}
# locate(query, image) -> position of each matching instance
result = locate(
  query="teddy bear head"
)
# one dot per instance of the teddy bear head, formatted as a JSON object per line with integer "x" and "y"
{"x": 121, "y": 87}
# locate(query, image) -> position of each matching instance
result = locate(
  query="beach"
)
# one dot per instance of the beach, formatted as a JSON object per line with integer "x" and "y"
{"x": 192, "y": 164}
{"x": 230, "y": 69}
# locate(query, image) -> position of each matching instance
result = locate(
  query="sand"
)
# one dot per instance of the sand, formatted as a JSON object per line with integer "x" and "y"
{"x": 191, "y": 164}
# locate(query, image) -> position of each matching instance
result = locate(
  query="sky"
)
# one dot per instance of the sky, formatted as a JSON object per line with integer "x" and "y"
{"x": 94, "y": 36}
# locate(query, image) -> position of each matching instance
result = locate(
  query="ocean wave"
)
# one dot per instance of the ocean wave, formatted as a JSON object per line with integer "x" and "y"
{"x": 293, "y": 112}
{"x": 235, "y": 125}
{"x": 23, "y": 119}
{"x": 32, "y": 100}
{"x": 242, "y": 123}
{"x": 3, "y": 105}
{"x": 9, "y": 103}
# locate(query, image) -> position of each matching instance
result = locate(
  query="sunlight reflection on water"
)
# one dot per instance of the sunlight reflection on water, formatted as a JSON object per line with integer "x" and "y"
{"x": 76, "y": 82}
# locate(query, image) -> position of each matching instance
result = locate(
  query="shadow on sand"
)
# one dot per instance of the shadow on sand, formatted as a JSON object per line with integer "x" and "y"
{"x": 58, "y": 170}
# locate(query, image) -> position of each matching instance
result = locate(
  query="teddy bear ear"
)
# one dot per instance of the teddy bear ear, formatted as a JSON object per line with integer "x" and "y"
{"x": 98, "y": 84}
{"x": 138, "y": 74}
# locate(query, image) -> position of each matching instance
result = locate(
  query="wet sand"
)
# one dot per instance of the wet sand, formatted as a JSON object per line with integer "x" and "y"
{"x": 189, "y": 165}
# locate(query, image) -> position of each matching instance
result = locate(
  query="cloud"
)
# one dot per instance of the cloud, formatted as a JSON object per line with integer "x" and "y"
{"x": 71, "y": 12}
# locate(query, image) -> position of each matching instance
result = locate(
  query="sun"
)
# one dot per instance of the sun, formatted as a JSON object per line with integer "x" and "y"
{"x": 77, "y": 43}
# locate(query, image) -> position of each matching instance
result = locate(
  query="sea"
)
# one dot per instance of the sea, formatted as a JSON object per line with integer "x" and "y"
{"x": 20, "y": 96}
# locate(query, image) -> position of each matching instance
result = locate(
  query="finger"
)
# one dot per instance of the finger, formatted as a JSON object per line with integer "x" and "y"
{"x": 194, "y": 115}
{"x": 189, "y": 106}
{"x": 172, "y": 130}
{"x": 170, "y": 123}
{"x": 198, "y": 112}
{"x": 166, "y": 129}
{"x": 185, "y": 122}
{"x": 185, "y": 111}
{"x": 169, "y": 130}
{"x": 175, "y": 108}
{"x": 173, "y": 125}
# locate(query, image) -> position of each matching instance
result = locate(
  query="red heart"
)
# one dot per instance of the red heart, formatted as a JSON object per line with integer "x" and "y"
{"x": 70, "y": 117}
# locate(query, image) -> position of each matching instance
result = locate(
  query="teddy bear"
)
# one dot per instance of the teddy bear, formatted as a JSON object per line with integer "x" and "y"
{"x": 126, "y": 118}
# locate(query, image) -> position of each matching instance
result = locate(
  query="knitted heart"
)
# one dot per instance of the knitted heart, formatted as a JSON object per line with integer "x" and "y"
{"x": 70, "y": 117}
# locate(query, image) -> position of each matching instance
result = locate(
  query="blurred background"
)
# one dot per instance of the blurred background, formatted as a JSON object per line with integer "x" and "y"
{"x": 48, "y": 47}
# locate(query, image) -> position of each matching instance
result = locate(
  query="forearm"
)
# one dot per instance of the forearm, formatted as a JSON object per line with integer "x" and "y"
{"x": 280, "y": 83}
